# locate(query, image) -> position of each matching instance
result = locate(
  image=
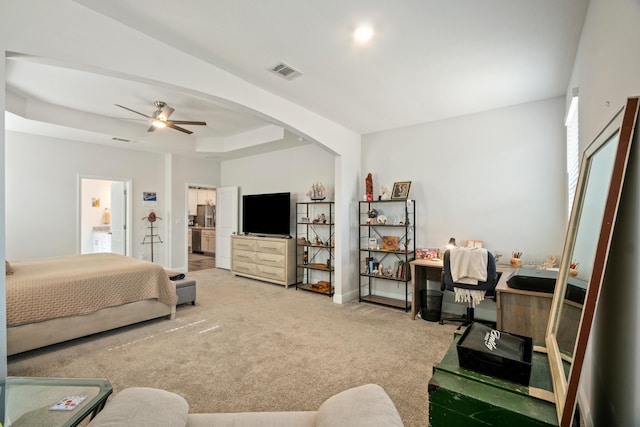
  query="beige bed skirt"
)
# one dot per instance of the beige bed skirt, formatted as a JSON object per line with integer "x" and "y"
{"x": 40, "y": 334}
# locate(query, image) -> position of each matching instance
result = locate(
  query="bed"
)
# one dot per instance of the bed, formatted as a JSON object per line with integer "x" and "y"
{"x": 55, "y": 299}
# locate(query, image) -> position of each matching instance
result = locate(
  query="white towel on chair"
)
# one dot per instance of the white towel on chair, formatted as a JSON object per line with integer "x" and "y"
{"x": 468, "y": 265}
{"x": 472, "y": 296}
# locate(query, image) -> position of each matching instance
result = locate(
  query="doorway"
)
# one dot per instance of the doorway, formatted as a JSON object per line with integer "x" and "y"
{"x": 104, "y": 215}
{"x": 201, "y": 214}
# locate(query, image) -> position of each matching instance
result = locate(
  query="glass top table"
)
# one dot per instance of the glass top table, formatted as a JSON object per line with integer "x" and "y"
{"x": 26, "y": 401}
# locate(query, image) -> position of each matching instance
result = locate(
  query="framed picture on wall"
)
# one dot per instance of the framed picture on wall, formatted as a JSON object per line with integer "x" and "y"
{"x": 149, "y": 198}
{"x": 400, "y": 190}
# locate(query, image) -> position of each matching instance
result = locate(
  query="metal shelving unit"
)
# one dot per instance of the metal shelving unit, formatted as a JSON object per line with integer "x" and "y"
{"x": 315, "y": 231}
{"x": 387, "y": 238}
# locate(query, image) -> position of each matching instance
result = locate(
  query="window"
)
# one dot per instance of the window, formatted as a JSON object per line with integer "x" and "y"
{"x": 573, "y": 150}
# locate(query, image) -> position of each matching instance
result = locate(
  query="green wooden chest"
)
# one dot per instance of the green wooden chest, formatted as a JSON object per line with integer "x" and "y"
{"x": 462, "y": 397}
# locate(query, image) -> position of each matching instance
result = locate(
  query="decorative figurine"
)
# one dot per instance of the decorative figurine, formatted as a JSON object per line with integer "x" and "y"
{"x": 372, "y": 214}
{"x": 385, "y": 192}
{"x": 369, "y": 187}
{"x": 317, "y": 191}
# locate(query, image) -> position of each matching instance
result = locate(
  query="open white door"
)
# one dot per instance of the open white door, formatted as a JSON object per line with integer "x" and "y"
{"x": 226, "y": 224}
{"x": 119, "y": 218}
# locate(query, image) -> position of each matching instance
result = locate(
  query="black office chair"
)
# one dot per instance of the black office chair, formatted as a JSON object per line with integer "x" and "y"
{"x": 447, "y": 284}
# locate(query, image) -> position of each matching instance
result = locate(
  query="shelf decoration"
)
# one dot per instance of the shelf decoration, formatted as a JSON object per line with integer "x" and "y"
{"x": 389, "y": 243}
{"x": 317, "y": 192}
{"x": 369, "y": 187}
{"x": 385, "y": 192}
{"x": 400, "y": 190}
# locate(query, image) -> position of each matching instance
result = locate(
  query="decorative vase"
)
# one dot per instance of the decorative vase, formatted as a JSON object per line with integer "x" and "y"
{"x": 573, "y": 272}
{"x": 515, "y": 262}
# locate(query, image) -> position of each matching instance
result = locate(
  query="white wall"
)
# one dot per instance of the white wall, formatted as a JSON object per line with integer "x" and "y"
{"x": 293, "y": 170}
{"x": 496, "y": 176}
{"x": 607, "y": 66}
{"x": 42, "y": 193}
{"x": 607, "y": 71}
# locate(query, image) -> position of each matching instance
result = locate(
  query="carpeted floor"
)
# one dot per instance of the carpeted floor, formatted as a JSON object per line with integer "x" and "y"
{"x": 252, "y": 346}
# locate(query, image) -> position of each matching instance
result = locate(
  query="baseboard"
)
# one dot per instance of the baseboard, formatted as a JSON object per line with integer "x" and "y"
{"x": 343, "y": 298}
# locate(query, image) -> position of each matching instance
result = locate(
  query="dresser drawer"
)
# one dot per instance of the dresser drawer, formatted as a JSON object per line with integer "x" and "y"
{"x": 272, "y": 273}
{"x": 245, "y": 256}
{"x": 270, "y": 247}
{"x": 244, "y": 244}
{"x": 271, "y": 260}
{"x": 243, "y": 267}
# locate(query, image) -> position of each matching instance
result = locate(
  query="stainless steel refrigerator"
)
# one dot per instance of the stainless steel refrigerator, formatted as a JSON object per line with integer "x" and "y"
{"x": 205, "y": 216}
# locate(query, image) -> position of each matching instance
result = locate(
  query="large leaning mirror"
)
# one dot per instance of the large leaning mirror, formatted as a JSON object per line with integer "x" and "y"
{"x": 587, "y": 244}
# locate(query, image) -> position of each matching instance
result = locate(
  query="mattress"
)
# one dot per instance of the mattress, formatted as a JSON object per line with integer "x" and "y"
{"x": 47, "y": 288}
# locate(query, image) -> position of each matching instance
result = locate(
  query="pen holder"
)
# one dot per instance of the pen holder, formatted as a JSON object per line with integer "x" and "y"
{"x": 573, "y": 272}
{"x": 515, "y": 262}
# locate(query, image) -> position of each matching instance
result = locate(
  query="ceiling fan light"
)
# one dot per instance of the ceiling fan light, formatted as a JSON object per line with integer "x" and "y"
{"x": 159, "y": 124}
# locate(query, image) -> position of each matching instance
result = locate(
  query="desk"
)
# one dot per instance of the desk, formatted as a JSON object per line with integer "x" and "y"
{"x": 25, "y": 401}
{"x": 421, "y": 271}
{"x": 527, "y": 313}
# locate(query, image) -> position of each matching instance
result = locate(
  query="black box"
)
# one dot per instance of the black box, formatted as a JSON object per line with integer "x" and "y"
{"x": 499, "y": 354}
{"x": 533, "y": 279}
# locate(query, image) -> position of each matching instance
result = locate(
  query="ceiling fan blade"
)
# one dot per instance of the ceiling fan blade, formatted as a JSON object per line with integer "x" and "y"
{"x": 172, "y": 126}
{"x": 187, "y": 122}
{"x": 151, "y": 129}
{"x": 133, "y": 111}
{"x": 167, "y": 111}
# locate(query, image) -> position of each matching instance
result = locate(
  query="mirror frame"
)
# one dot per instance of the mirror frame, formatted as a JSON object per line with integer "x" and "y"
{"x": 566, "y": 390}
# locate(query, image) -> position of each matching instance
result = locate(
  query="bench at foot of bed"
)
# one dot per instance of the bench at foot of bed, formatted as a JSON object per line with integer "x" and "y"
{"x": 186, "y": 290}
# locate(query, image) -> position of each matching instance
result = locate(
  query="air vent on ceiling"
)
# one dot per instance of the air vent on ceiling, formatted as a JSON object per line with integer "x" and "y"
{"x": 285, "y": 71}
{"x": 115, "y": 138}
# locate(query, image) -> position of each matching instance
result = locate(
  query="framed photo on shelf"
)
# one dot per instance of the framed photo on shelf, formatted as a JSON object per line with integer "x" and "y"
{"x": 400, "y": 190}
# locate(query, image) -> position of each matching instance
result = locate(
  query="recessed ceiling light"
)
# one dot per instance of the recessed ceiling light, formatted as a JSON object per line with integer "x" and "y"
{"x": 363, "y": 34}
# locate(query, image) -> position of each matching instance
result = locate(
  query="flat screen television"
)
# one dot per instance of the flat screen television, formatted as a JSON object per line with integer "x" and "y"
{"x": 266, "y": 214}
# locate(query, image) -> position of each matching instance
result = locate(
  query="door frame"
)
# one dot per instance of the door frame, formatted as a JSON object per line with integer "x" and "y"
{"x": 189, "y": 185}
{"x": 128, "y": 214}
{"x": 230, "y": 217}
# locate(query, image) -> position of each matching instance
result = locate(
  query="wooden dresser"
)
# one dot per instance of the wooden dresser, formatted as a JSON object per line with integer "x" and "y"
{"x": 270, "y": 259}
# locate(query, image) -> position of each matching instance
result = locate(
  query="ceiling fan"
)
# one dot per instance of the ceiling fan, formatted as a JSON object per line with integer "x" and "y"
{"x": 160, "y": 118}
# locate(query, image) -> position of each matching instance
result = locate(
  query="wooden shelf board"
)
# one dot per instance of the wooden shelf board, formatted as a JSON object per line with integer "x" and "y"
{"x": 380, "y": 276}
{"x": 385, "y": 301}
{"x": 313, "y": 267}
{"x": 307, "y": 287}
